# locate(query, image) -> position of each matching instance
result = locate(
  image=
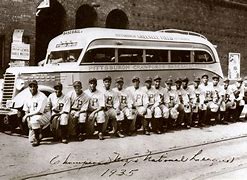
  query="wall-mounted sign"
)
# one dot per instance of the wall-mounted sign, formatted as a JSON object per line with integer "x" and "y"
{"x": 20, "y": 51}
{"x": 234, "y": 66}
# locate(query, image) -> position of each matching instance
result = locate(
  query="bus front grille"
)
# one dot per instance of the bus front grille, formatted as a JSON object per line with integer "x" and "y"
{"x": 8, "y": 88}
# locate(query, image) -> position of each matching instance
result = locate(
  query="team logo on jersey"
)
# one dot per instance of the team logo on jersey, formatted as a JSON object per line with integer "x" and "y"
{"x": 123, "y": 99}
{"x": 151, "y": 98}
{"x": 138, "y": 97}
{"x": 109, "y": 100}
{"x": 35, "y": 105}
{"x": 60, "y": 106}
{"x": 94, "y": 101}
{"x": 161, "y": 97}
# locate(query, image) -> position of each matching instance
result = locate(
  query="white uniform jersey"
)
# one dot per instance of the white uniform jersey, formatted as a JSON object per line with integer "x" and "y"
{"x": 36, "y": 103}
{"x": 240, "y": 89}
{"x": 111, "y": 99}
{"x": 78, "y": 103}
{"x": 124, "y": 98}
{"x": 228, "y": 93}
{"x": 162, "y": 92}
{"x": 139, "y": 98}
{"x": 153, "y": 96}
{"x": 197, "y": 96}
{"x": 207, "y": 91}
{"x": 217, "y": 92}
{"x": 58, "y": 104}
{"x": 189, "y": 91}
{"x": 97, "y": 99}
{"x": 171, "y": 98}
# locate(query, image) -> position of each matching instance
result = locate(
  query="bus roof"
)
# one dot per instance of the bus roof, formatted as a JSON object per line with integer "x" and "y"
{"x": 79, "y": 38}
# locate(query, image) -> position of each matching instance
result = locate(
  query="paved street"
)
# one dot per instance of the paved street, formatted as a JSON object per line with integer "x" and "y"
{"x": 217, "y": 150}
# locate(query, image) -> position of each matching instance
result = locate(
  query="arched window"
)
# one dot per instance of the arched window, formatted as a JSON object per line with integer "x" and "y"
{"x": 117, "y": 19}
{"x": 49, "y": 23}
{"x": 86, "y": 16}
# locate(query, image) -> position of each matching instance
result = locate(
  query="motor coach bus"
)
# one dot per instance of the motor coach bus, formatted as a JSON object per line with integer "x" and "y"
{"x": 96, "y": 52}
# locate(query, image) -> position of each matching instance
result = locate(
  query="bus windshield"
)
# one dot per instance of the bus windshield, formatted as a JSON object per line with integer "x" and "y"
{"x": 64, "y": 56}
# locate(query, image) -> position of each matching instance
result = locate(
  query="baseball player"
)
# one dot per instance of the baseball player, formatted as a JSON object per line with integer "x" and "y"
{"x": 59, "y": 106}
{"x": 96, "y": 108}
{"x": 139, "y": 98}
{"x": 238, "y": 90}
{"x": 183, "y": 102}
{"x": 196, "y": 102}
{"x": 112, "y": 107}
{"x": 162, "y": 92}
{"x": 172, "y": 102}
{"x": 126, "y": 104}
{"x": 207, "y": 97}
{"x": 188, "y": 97}
{"x": 217, "y": 103}
{"x": 228, "y": 111}
{"x": 153, "y": 112}
{"x": 36, "y": 113}
{"x": 78, "y": 102}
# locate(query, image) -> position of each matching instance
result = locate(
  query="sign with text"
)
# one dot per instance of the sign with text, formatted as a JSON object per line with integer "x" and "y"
{"x": 234, "y": 66}
{"x": 20, "y": 51}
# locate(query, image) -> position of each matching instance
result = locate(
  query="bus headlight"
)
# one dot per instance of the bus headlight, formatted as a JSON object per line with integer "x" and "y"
{"x": 19, "y": 84}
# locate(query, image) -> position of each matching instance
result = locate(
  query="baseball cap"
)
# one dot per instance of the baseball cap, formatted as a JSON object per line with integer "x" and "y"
{"x": 239, "y": 80}
{"x": 185, "y": 79}
{"x": 135, "y": 78}
{"x": 77, "y": 83}
{"x": 32, "y": 82}
{"x": 148, "y": 79}
{"x": 157, "y": 78}
{"x": 119, "y": 79}
{"x": 58, "y": 86}
{"x": 204, "y": 75}
{"x": 197, "y": 79}
{"x": 169, "y": 81}
{"x": 226, "y": 80}
{"x": 215, "y": 77}
{"x": 92, "y": 80}
{"x": 107, "y": 78}
{"x": 178, "y": 80}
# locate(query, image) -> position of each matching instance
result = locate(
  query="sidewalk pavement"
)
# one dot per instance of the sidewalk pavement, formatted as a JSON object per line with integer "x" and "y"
{"x": 21, "y": 160}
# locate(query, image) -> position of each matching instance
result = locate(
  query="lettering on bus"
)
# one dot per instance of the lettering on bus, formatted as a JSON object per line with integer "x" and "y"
{"x": 152, "y": 37}
{"x": 73, "y": 31}
{"x": 66, "y": 44}
{"x": 142, "y": 67}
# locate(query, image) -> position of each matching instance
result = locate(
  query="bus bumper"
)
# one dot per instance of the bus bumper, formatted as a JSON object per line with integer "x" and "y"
{"x": 8, "y": 112}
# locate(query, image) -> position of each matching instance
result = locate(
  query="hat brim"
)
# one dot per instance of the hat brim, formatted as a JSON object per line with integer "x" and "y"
{"x": 36, "y": 84}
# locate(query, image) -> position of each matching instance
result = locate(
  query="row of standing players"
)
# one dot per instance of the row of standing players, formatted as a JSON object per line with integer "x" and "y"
{"x": 125, "y": 110}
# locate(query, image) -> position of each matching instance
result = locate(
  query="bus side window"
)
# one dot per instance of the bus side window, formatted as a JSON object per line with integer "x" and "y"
{"x": 156, "y": 55}
{"x": 180, "y": 56}
{"x": 101, "y": 55}
{"x": 202, "y": 56}
{"x": 130, "y": 55}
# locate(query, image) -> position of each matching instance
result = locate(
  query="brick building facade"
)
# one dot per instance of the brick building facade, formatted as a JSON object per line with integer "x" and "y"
{"x": 223, "y": 22}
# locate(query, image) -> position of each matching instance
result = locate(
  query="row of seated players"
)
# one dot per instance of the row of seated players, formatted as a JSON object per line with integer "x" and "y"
{"x": 151, "y": 107}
